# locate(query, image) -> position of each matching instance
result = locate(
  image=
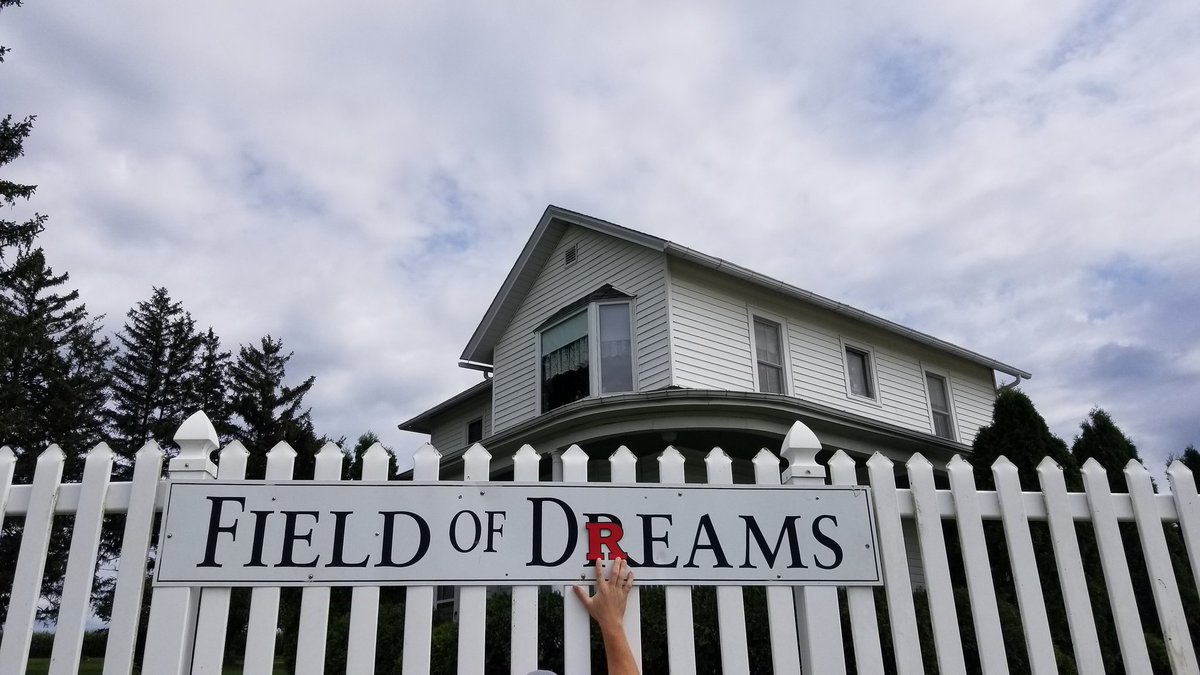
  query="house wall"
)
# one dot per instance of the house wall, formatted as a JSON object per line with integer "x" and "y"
{"x": 710, "y": 331}
{"x": 450, "y": 429}
{"x": 601, "y": 259}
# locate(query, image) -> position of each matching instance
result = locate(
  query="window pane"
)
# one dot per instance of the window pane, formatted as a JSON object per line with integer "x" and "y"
{"x": 859, "y": 370}
{"x": 565, "y": 360}
{"x": 767, "y": 343}
{"x": 564, "y": 333}
{"x": 770, "y": 379}
{"x": 616, "y": 349}
{"x": 939, "y": 405}
{"x": 941, "y": 425}
{"x": 474, "y": 431}
{"x": 937, "y": 393}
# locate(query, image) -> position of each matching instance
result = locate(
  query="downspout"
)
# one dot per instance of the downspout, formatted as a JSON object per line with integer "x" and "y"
{"x": 1010, "y": 385}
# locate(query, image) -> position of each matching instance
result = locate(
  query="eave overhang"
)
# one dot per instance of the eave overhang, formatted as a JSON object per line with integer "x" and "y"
{"x": 422, "y": 423}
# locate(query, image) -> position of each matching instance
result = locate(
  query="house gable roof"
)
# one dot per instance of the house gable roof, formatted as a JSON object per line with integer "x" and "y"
{"x": 556, "y": 220}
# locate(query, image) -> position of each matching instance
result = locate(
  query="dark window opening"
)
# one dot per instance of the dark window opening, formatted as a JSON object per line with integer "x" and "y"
{"x": 475, "y": 431}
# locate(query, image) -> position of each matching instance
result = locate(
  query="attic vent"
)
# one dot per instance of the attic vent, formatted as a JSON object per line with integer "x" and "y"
{"x": 570, "y": 255}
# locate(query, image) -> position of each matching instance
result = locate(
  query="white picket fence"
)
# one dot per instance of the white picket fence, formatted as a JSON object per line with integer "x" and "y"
{"x": 187, "y": 626}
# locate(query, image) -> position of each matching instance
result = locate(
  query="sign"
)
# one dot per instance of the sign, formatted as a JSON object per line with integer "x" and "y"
{"x": 259, "y": 533}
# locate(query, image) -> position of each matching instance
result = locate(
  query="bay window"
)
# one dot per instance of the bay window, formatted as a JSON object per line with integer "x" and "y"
{"x": 585, "y": 352}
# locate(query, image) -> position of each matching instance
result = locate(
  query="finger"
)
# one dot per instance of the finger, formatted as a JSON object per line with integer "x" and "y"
{"x": 599, "y": 571}
{"x": 582, "y": 594}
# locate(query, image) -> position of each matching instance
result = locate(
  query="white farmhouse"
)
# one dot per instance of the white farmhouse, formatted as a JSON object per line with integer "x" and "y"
{"x": 604, "y": 336}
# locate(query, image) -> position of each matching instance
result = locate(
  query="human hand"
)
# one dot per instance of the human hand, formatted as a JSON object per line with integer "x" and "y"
{"x": 607, "y": 606}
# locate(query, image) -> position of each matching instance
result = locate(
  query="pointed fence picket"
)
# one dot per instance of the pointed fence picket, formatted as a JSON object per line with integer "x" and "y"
{"x": 213, "y": 619}
{"x": 418, "y": 600}
{"x": 577, "y": 638}
{"x": 731, "y": 612}
{"x": 939, "y": 588}
{"x": 263, "y": 624}
{"x": 623, "y": 465}
{"x": 1024, "y": 566}
{"x": 1163, "y": 585}
{"x": 681, "y": 640}
{"x": 75, "y": 607}
{"x": 31, "y": 561}
{"x": 977, "y": 568}
{"x": 472, "y": 613}
{"x": 1082, "y": 624}
{"x": 131, "y": 574}
{"x": 860, "y": 600}
{"x": 1116, "y": 568}
{"x": 903, "y": 614}
{"x": 314, "y": 602}
{"x": 188, "y": 626}
{"x": 524, "y": 632}
{"x": 781, "y": 608}
{"x": 364, "y": 600}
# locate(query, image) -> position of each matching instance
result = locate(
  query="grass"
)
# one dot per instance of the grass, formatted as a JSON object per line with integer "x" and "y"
{"x": 88, "y": 667}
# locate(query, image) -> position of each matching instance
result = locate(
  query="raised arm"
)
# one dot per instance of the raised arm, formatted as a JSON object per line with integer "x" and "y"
{"x": 607, "y": 607}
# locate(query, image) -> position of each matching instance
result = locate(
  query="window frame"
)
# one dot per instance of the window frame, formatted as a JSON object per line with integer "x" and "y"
{"x": 470, "y": 423}
{"x": 755, "y": 314}
{"x": 594, "y": 358}
{"x": 871, "y": 371}
{"x": 944, "y": 376}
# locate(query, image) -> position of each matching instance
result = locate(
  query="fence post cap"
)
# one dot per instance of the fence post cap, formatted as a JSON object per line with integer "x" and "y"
{"x": 197, "y": 439}
{"x": 800, "y": 448}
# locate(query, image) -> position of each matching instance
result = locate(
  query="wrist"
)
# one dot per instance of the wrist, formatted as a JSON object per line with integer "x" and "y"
{"x": 611, "y": 629}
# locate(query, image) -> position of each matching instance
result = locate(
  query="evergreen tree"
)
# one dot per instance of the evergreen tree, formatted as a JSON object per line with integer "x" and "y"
{"x": 1019, "y": 433}
{"x": 53, "y": 366}
{"x": 1100, "y": 439}
{"x": 267, "y": 411}
{"x": 53, "y": 389}
{"x": 352, "y": 468}
{"x": 18, "y": 235}
{"x": 209, "y": 388}
{"x": 1191, "y": 459}
{"x": 153, "y": 374}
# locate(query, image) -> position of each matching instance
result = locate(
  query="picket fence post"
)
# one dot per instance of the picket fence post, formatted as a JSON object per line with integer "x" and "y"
{"x": 171, "y": 634}
{"x": 817, "y": 612}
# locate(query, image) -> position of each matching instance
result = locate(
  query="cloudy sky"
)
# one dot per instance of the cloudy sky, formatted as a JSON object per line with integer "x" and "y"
{"x": 1020, "y": 178}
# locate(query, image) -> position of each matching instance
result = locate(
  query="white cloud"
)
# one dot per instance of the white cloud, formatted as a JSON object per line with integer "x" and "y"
{"x": 357, "y": 179}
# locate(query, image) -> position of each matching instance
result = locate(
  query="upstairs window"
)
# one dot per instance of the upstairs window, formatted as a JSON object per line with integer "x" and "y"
{"x": 939, "y": 406}
{"x": 566, "y": 360}
{"x": 859, "y": 373}
{"x": 616, "y": 347}
{"x": 475, "y": 431}
{"x": 588, "y": 351}
{"x": 768, "y": 352}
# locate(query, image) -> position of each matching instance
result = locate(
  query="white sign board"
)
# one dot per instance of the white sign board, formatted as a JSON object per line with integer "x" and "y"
{"x": 258, "y": 533}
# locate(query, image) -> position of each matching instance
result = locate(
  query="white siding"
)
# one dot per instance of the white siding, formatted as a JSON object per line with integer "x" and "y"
{"x": 449, "y": 432}
{"x": 632, "y": 269}
{"x": 972, "y": 398}
{"x": 711, "y": 335}
{"x": 710, "y": 330}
